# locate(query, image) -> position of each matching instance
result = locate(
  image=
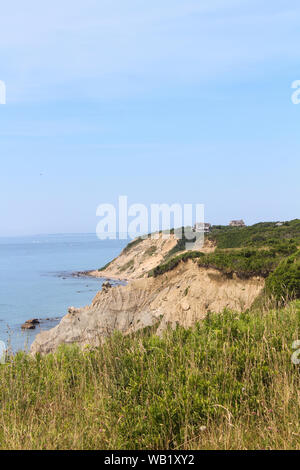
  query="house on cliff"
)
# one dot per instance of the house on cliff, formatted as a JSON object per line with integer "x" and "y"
{"x": 202, "y": 227}
{"x": 237, "y": 223}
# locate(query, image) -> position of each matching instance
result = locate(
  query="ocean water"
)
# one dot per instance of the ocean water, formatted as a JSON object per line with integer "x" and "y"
{"x": 36, "y": 280}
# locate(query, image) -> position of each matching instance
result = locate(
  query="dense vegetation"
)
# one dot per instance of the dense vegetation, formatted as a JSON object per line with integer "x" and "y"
{"x": 263, "y": 250}
{"x": 227, "y": 383}
{"x": 245, "y": 263}
{"x": 262, "y": 234}
{"x": 174, "y": 262}
{"x": 285, "y": 280}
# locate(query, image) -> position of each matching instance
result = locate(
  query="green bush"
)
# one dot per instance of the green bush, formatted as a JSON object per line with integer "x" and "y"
{"x": 174, "y": 262}
{"x": 284, "y": 282}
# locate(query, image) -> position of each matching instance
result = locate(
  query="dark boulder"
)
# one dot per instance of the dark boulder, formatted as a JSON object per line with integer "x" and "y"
{"x": 30, "y": 324}
{"x": 106, "y": 286}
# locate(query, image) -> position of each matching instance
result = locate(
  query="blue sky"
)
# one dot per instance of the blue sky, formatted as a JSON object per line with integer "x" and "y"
{"x": 174, "y": 101}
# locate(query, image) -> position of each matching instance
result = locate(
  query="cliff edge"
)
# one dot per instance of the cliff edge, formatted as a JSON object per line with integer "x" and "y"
{"x": 181, "y": 296}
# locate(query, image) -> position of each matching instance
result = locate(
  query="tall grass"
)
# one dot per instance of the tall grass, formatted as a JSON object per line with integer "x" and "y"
{"x": 226, "y": 383}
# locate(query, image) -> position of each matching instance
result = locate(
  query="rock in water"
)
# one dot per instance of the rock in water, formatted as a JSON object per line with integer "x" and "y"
{"x": 30, "y": 324}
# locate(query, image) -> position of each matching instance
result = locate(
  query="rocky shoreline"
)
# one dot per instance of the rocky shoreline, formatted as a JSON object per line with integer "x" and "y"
{"x": 34, "y": 322}
{"x": 96, "y": 274}
{"x": 112, "y": 281}
{"x": 100, "y": 275}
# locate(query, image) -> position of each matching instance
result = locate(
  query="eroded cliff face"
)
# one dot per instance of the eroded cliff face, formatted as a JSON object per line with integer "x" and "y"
{"x": 138, "y": 258}
{"x": 143, "y": 255}
{"x": 183, "y": 296}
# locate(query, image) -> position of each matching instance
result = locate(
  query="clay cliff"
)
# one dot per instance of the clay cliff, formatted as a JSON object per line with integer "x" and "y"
{"x": 183, "y": 295}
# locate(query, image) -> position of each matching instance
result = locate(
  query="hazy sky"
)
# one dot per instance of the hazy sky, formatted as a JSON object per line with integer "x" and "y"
{"x": 163, "y": 101}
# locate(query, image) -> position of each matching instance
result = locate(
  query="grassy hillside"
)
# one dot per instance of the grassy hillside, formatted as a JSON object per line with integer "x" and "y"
{"x": 262, "y": 234}
{"x": 245, "y": 262}
{"x": 227, "y": 383}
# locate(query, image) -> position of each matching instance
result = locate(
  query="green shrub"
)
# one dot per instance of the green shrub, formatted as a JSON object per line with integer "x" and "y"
{"x": 174, "y": 262}
{"x": 284, "y": 282}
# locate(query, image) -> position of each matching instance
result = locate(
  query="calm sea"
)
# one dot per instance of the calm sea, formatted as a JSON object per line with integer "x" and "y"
{"x": 36, "y": 279}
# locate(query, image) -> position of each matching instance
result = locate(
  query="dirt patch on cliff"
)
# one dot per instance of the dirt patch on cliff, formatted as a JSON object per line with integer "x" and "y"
{"x": 141, "y": 256}
{"x": 138, "y": 258}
